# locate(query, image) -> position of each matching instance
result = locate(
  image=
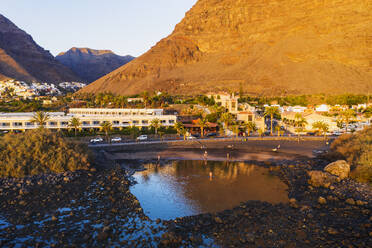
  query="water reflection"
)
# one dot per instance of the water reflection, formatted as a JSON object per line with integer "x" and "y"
{"x": 185, "y": 188}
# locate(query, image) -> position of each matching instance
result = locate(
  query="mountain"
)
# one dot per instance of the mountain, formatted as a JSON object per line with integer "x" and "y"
{"x": 92, "y": 64}
{"x": 22, "y": 59}
{"x": 267, "y": 47}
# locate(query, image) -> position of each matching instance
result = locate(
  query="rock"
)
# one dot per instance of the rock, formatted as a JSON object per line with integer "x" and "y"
{"x": 321, "y": 179}
{"x": 54, "y": 218}
{"x": 332, "y": 231}
{"x": 218, "y": 219}
{"x": 322, "y": 200}
{"x": 339, "y": 168}
{"x": 350, "y": 201}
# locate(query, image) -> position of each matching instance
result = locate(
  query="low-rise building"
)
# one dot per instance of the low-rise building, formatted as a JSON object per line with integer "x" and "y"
{"x": 228, "y": 101}
{"x": 89, "y": 118}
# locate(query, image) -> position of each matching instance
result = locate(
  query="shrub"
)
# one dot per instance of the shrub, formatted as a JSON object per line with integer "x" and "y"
{"x": 40, "y": 151}
{"x": 357, "y": 150}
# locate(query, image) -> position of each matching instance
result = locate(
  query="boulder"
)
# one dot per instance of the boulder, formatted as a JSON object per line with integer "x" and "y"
{"x": 339, "y": 168}
{"x": 321, "y": 179}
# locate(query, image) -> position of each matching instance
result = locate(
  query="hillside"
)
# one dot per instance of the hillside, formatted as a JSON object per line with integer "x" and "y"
{"x": 22, "y": 59}
{"x": 271, "y": 47}
{"x": 90, "y": 64}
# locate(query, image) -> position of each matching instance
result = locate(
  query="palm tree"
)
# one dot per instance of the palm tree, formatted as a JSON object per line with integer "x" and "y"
{"x": 300, "y": 123}
{"x": 347, "y": 116}
{"x": 227, "y": 118}
{"x": 40, "y": 118}
{"x": 106, "y": 127}
{"x": 179, "y": 126}
{"x": 155, "y": 123}
{"x": 321, "y": 127}
{"x": 146, "y": 98}
{"x": 203, "y": 123}
{"x": 183, "y": 132}
{"x": 75, "y": 123}
{"x": 251, "y": 127}
{"x": 271, "y": 111}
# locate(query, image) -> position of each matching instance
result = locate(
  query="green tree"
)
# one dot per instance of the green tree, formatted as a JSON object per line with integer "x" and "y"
{"x": 227, "y": 119}
{"x": 179, "y": 126}
{"x": 40, "y": 118}
{"x": 75, "y": 123}
{"x": 251, "y": 127}
{"x": 155, "y": 123}
{"x": 203, "y": 123}
{"x": 347, "y": 116}
{"x": 106, "y": 127}
{"x": 321, "y": 127}
{"x": 271, "y": 111}
{"x": 300, "y": 123}
{"x": 146, "y": 98}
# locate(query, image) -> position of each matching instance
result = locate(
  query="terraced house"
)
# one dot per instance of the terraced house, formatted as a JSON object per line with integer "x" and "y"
{"x": 90, "y": 118}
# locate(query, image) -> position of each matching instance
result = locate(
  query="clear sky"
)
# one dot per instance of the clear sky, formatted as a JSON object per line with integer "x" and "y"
{"x": 123, "y": 26}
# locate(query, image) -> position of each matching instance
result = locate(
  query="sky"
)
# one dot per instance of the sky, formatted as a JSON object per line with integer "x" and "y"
{"x": 123, "y": 26}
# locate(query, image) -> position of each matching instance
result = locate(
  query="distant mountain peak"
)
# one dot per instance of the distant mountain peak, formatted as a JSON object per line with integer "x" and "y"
{"x": 91, "y": 64}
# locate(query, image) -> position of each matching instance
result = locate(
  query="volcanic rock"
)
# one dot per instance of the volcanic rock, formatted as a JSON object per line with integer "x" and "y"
{"x": 271, "y": 47}
{"x": 339, "y": 168}
{"x": 22, "y": 59}
{"x": 90, "y": 64}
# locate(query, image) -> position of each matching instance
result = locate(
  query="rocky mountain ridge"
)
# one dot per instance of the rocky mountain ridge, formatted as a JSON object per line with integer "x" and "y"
{"x": 90, "y": 64}
{"x": 270, "y": 47}
{"x": 22, "y": 59}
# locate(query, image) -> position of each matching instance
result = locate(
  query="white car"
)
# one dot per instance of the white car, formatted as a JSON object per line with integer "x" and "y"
{"x": 142, "y": 137}
{"x": 116, "y": 139}
{"x": 96, "y": 140}
{"x": 190, "y": 137}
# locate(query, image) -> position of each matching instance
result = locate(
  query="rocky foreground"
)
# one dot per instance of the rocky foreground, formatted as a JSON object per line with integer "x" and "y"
{"x": 96, "y": 208}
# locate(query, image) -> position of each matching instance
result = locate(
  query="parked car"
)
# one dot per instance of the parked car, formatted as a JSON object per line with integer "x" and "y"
{"x": 116, "y": 139}
{"x": 96, "y": 140}
{"x": 211, "y": 134}
{"x": 142, "y": 137}
{"x": 311, "y": 133}
{"x": 190, "y": 137}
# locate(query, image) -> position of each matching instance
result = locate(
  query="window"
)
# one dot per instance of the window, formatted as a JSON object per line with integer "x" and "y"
{"x": 30, "y": 124}
{"x": 116, "y": 122}
{"x": 145, "y": 122}
{"x": 163, "y": 121}
{"x": 64, "y": 123}
{"x": 125, "y": 123}
{"x": 135, "y": 122}
{"x": 250, "y": 118}
{"x": 17, "y": 124}
{"x": 53, "y": 123}
{"x": 85, "y": 123}
{"x": 95, "y": 122}
{"x": 171, "y": 121}
{"x": 5, "y": 124}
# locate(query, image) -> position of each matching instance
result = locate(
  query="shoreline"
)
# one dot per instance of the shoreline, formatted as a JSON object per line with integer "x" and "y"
{"x": 96, "y": 208}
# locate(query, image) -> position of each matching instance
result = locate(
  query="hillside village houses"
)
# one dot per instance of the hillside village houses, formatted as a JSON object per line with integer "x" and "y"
{"x": 91, "y": 118}
{"x": 31, "y": 90}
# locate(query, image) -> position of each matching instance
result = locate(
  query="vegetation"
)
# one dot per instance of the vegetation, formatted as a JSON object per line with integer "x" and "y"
{"x": 155, "y": 123}
{"x": 40, "y": 118}
{"x": 321, "y": 127}
{"x": 40, "y": 151}
{"x": 203, "y": 123}
{"x": 75, "y": 124}
{"x": 271, "y": 112}
{"x": 107, "y": 127}
{"x": 251, "y": 127}
{"x": 357, "y": 150}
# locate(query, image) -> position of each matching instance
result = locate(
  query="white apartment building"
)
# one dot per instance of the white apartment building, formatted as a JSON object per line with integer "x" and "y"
{"x": 89, "y": 118}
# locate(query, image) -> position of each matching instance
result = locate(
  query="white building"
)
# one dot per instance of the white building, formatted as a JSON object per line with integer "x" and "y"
{"x": 89, "y": 118}
{"x": 323, "y": 108}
